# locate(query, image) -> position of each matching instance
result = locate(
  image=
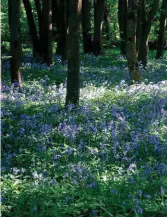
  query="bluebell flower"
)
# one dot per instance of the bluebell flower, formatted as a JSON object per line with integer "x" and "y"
{"x": 53, "y": 182}
{"x": 162, "y": 191}
{"x": 139, "y": 210}
{"x": 94, "y": 213}
{"x": 35, "y": 209}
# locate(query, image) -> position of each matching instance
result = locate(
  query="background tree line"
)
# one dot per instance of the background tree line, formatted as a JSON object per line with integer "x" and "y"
{"x": 100, "y": 24}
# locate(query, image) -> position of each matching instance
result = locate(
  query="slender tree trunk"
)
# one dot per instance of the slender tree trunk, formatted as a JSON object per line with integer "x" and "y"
{"x": 46, "y": 32}
{"x": 98, "y": 26}
{"x": 107, "y": 22}
{"x": 73, "y": 75}
{"x": 55, "y": 18}
{"x": 161, "y": 33}
{"x": 86, "y": 27}
{"x": 122, "y": 20}
{"x": 32, "y": 27}
{"x": 38, "y": 5}
{"x": 15, "y": 43}
{"x": 145, "y": 22}
{"x": 62, "y": 29}
{"x": 142, "y": 33}
{"x": 143, "y": 49}
{"x": 131, "y": 41}
{"x": 140, "y": 23}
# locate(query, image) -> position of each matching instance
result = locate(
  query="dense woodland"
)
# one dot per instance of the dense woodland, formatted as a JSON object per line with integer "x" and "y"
{"x": 60, "y": 21}
{"x": 84, "y": 108}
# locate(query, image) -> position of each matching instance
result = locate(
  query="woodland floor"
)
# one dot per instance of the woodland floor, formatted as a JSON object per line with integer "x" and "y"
{"x": 107, "y": 158}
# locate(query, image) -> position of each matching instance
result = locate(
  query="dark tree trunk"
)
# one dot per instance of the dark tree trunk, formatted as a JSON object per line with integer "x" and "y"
{"x": 32, "y": 27}
{"x": 107, "y": 22}
{"x": 122, "y": 20}
{"x": 140, "y": 23}
{"x": 143, "y": 49}
{"x": 46, "y": 32}
{"x": 15, "y": 43}
{"x": 98, "y": 24}
{"x": 55, "y": 18}
{"x": 86, "y": 27}
{"x": 145, "y": 22}
{"x": 73, "y": 75}
{"x": 62, "y": 29}
{"x": 38, "y": 6}
{"x": 131, "y": 41}
{"x": 161, "y": 32}
{"x": 142, "y": 33}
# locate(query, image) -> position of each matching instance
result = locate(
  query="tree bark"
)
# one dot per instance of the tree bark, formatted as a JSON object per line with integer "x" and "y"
{"x": 38, "y": 6}
{"x": 145, "y": 22}
{"x": 73, "y": 74}
{"x": 62, "y": 29}
{"x": 32, "y": 28}
{"x": 140, "y": 23}
{"x": 46, "y": 32}
{"x": 98, "y": 26}
{"x": 122, "y": 20}
{"x": 55, "y": 18}
{"x": 161, "y": 32}
{"x": 86, "y": 27}
{"x": 107, "y": 22}
{"x": 15, "y": 43}
{"x": 131, "y": 41}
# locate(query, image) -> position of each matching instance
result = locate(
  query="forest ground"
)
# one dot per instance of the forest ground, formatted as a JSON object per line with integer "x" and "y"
{"x": 107, "y": 158}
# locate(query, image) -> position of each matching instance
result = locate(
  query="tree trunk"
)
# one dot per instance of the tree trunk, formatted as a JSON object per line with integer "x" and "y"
{"x": 140, "y": 23}
{"x": 122, "y": 20}
{"x": 131, "y": 41}
{"x": 143, "y": 49}
{"x": 15, "y": 43}
{"x": 161, "y": 32}
{"x": 86, "y": 27}
{"x": 142, "y": 33}
{"x": 98, "y": 26}
{"x": 46, "y": 32}
{"x": 107, "y": 22}
{"x": 73, "y": 75}
{"x": 62, "y": 29}
{"x": 145, "y": 22}
{"x": 32, "y": 27}
{"x": 55, "y": 18}
{"x": 38, "y": 4}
